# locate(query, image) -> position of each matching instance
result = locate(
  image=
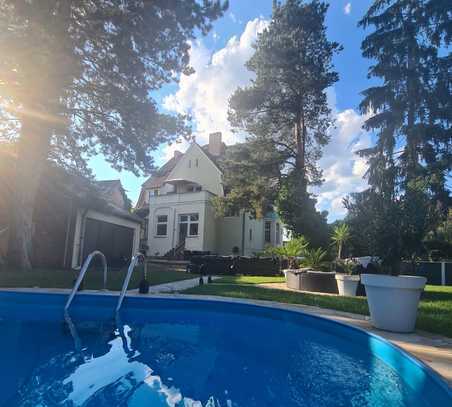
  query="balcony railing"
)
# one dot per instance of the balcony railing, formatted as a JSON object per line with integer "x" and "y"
{"x": 174, "y": 197}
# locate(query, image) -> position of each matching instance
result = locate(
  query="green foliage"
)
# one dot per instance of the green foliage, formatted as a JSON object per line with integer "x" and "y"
{"x": 84, "y": 72}
{"x": 340, "y": 236}
{"x": 409, "y": 164}
{"x": 296, "y": 207}
{"x": 410, "y": 110}
{"x": 347, "y": 266}
{"x": 290, "y": 250}
{"x": 76, "y": 79}
{"x": 314, "y": 258}
{"x": 285, "y": 112}
{"x": 251, "y": 173}
{"x": 390, "y": 229}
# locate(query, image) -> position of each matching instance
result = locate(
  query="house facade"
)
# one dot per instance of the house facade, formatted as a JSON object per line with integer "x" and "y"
{"x": 176, "y": 205}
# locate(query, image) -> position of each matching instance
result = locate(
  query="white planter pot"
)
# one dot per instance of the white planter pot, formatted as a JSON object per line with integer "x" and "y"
{"x": 393, "y": 301}
{"x": 347, "y": 284}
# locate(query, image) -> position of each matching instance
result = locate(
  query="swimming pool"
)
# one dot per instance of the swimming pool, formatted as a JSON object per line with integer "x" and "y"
{"x": 187, "y": 352}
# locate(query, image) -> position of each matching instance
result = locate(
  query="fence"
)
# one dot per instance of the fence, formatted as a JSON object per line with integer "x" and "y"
{"x": 436, "y": 272}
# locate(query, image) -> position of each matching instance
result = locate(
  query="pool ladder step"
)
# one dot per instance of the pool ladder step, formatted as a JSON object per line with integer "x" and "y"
{"x": 86, "y": 264}
{"x": 82, "y": 273}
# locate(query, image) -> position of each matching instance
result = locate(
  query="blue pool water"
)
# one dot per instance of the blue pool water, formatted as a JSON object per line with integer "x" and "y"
{"x": 178, "y": 352}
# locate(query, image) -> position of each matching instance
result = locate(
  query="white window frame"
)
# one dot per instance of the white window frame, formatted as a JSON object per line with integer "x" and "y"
{"x": 189, "y": 222}
{"x": 160, "y": 222}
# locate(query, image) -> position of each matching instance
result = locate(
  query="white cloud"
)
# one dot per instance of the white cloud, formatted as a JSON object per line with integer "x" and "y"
{"x": 343, "y": 169}
{"x": 205, "y": 96}
{"x": 348, "y": 8}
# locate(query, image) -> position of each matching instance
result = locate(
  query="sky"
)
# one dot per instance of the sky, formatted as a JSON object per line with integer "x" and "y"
{"x": 218, "y": 60}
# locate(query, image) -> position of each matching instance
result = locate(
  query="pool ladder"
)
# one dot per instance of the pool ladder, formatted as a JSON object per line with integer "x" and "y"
{"x": 132, "y": 266}
{"x": 85, "y": 267}
{"x": 82, "y": 273}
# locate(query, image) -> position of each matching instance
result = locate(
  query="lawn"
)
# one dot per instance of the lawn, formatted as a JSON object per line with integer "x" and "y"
{"x": 435, "y": 310}
{"x": 45, "y": 278}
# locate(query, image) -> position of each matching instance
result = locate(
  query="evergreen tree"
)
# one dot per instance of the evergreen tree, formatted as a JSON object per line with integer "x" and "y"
{"x": 76, "y": 77}
{"x": 412, "y": 107}
{"x": 285, "y": 107}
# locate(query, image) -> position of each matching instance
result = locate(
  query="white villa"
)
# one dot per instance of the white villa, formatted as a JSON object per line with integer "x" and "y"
{"x": 176, "y": 204}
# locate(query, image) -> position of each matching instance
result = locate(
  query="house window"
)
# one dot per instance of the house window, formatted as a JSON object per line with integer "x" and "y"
{"x": 154, "y": 192}
{"x": 162, "y": 225}
{"x": 194, "y": 188}
{"x": 197, "y": 163}
{"x": 268, "y": 232}
{"x": 189, "y": 163}
{"x": 251, "y": 234}
{"x": 278, "y": 234}
{"x": 188, "y": 225}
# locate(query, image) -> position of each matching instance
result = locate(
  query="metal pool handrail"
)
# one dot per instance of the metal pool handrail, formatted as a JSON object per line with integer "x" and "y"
{"x": 83, "y": 272}
{"x": 132, "y": 265}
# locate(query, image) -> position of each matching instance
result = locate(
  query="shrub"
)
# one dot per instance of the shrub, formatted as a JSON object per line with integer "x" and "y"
{"x": 314, "y": 258}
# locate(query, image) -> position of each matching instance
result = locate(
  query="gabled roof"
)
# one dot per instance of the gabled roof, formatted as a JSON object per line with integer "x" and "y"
{"x": 156, "y": 180}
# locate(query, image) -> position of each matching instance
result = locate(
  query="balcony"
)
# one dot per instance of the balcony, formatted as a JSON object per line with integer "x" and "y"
{"x": 174, "y": 197}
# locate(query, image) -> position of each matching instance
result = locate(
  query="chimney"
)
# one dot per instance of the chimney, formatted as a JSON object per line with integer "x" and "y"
{"x": 215, "y": 144}
{"x": 177, "y": 154}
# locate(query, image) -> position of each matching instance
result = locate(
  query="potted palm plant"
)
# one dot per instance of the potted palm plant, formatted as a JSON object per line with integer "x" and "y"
{"x": 291, "y": 251}
{"x": 347, "y": 283}
{"x": 317, "y": 276}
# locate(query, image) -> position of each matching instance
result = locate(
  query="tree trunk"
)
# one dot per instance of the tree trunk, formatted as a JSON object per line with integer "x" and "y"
{"x": 300, "y": 140}
{"x": 32, "y": 153}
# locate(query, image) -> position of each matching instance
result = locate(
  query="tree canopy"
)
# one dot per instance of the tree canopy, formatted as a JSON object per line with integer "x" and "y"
{"x": 285, "y": 112}
{"x": 76, "y": 78}
{"x": 411, "y": 108}
{"x": 86, "y": 69}
{"x": 410, "y": 113}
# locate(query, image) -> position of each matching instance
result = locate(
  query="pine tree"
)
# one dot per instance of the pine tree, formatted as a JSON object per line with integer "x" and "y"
{"x": 76, "y": 77}
{"x": 285, "y": 107}
{"x": 286, "y": 103}
{"x": 412, "y": 107}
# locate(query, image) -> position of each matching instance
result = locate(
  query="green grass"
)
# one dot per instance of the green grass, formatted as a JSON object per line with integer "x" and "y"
{"x": 45, "y": 278}
{"x": 435, "y": 309}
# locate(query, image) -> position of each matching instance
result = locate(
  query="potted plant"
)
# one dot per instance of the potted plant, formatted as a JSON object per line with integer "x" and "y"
{"x": 347, "y": 282}
{"x": 314, "y": 259}
{"x": 290, "y": 251}
{"x": 341, "y": 234}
